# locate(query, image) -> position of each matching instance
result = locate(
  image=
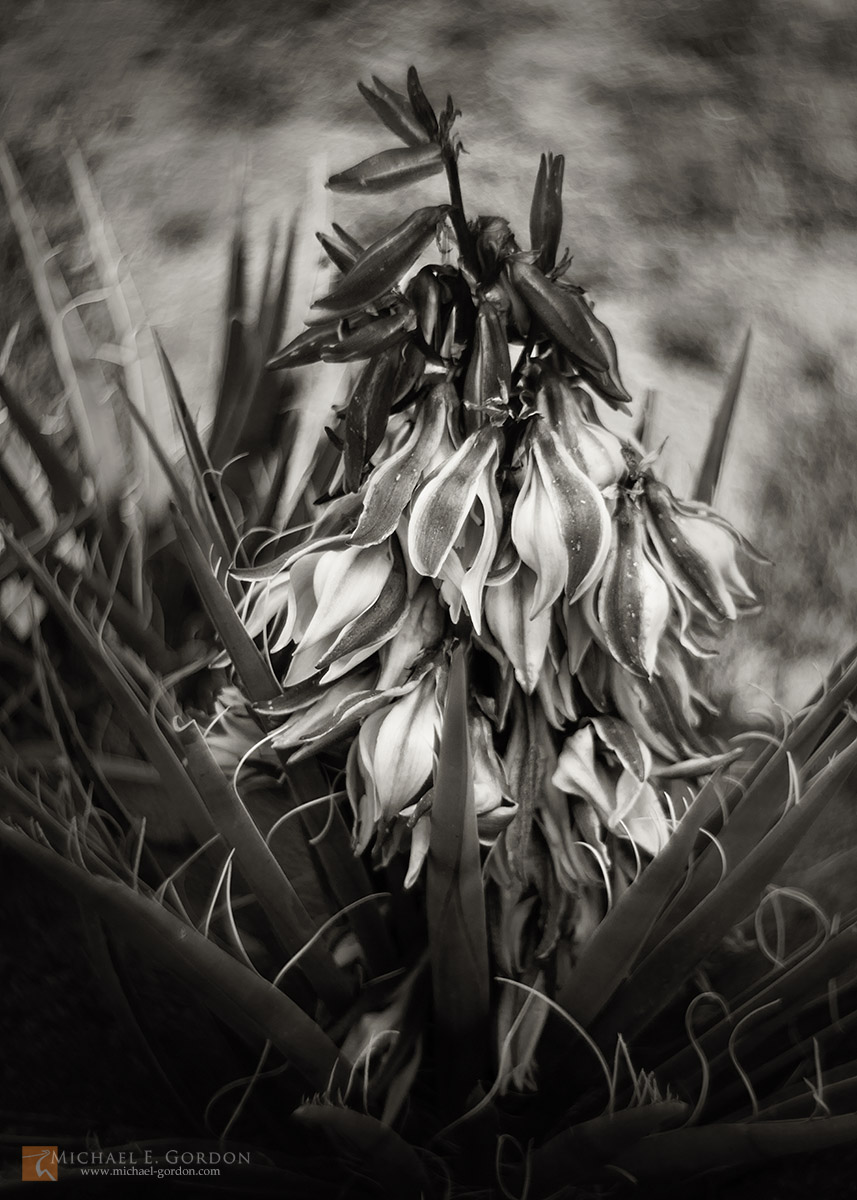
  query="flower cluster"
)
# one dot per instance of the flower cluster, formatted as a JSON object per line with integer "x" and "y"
{"x": 480, "y": 497}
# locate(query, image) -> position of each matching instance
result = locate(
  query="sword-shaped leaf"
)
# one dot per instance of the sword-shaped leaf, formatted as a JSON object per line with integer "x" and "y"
{"x": 88, "y": 390}
{"x": 712, "y": 464}
{"x": 369, "y": 1148}
{"x": 66, "y": 490}
{"x": 673, "y": 960}
{"x": 142, "y": 378}
{"x": 207, "y": 491}
{"x": 236, "y": 353}
{"x": 291, "y": 923}
{"x": 455, "y": 902}
{"x": 587, "y": 1144}
{"x": 148, "y": 731}
{"x": 691, "y": 1151}
{"x": 244, "y": 999}
{"x": 251, "y": 666}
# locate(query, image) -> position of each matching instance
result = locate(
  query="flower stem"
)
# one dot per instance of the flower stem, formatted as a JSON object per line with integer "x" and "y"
{"x": 459, "y": 220}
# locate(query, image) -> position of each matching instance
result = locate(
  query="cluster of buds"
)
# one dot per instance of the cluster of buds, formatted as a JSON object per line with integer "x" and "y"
{"x": 480, "y": 498}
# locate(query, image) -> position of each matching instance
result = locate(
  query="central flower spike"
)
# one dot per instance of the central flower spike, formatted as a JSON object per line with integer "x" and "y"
{"x": 479, "y": 497}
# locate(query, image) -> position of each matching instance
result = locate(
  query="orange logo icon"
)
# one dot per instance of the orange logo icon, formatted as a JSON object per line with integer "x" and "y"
{"x": 39, "y": 1164}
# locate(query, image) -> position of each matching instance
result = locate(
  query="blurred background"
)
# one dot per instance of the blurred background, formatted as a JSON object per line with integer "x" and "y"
{"x": 711, "y": 152}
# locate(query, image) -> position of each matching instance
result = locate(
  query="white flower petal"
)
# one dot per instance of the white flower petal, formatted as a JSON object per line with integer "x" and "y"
{"x": 578, "y": 773}
{"x": 346, "y": 582}
{"x": 420, "y": 837}
{"x": 523, "y": 640}
{"x": 645, "y": 821}
{"x": 442, "y": 504}
{"x": 405, "y": 748}
{"x": 537, "y": 535}
{"x": 473, "y": 583}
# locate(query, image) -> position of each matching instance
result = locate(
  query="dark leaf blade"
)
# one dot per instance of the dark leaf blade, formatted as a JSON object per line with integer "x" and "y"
{"x": 777, "y": 1003}
{"x": 370, "y": 1148}
{"x": 208, "y": 534}
{"x": 674, "y": 959}
{"x": 764, "y": 788}
{"x": 132, "y": 332}
{"x": 235, "y": 361}
{"x": 455, "y": 902}
{"x": 693, "y": 1150}
{"x": 149, "y": 734}
{"x": 609, "y": 955}
{"x": 207, "y": 490}
{"x": 243, "y": 998}
{"x": 526, "y": 770}
{"x": 338, "y": 866}
{"x": 140, "y": 637}
{"x": 274, "y": 299}
{"x": 389, "y": 170}
{"x": 119, "y": 996}
{"x": 259, "y": 417}
{"x": 250, "y": 665}
{"x": 598, "y": 1140}
{"x": 712, "y": 464}
{"x": 292, "y": 924}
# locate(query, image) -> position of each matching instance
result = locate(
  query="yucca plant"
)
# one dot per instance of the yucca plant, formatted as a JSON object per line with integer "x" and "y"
{"x": 408, "y": 672}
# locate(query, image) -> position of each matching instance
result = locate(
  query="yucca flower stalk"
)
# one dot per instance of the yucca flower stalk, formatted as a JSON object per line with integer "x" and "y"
{"x": 481, "y": 500}
{"x": 465, "y": 899}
